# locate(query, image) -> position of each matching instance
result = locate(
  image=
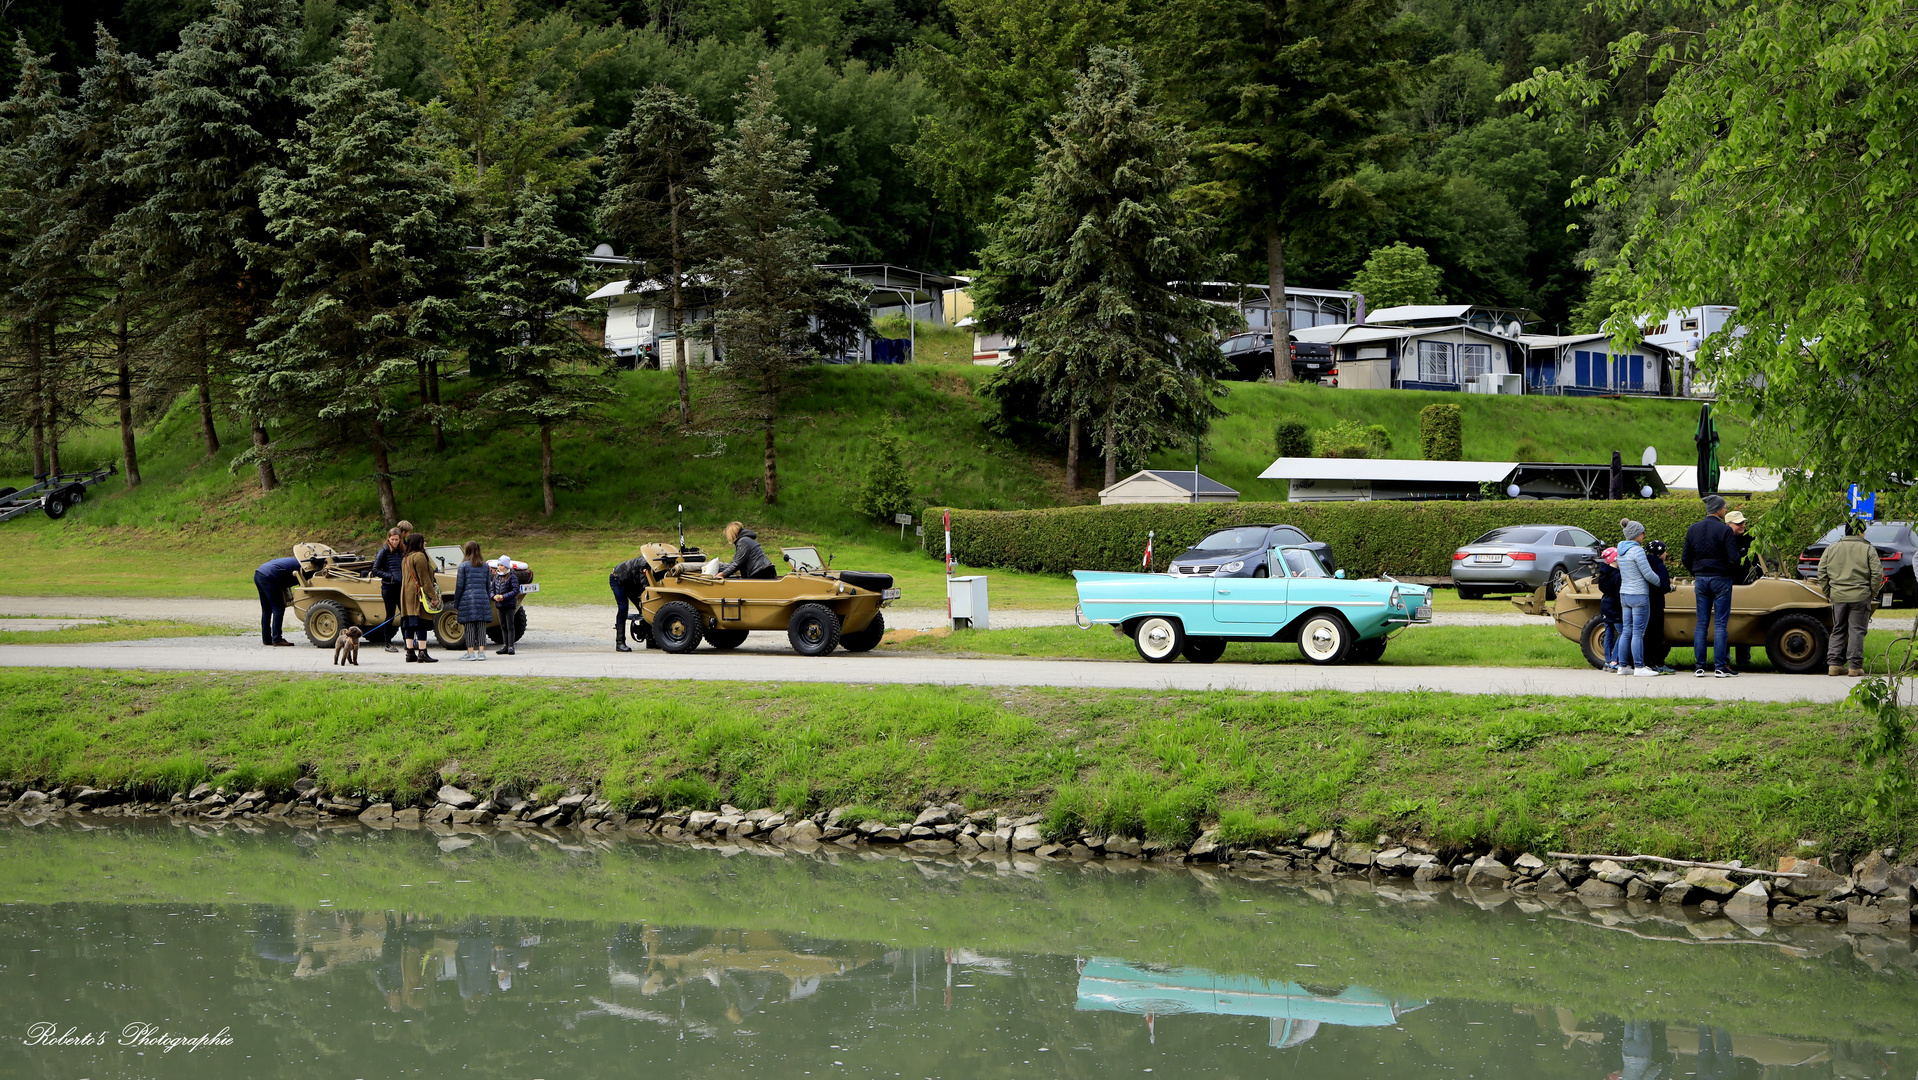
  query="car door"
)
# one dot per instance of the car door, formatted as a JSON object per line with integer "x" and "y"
{"x": 1253, "y": 602}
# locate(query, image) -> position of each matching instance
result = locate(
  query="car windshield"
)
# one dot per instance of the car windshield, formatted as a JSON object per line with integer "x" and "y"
{"x": 1232, "y": 540}
{"x": 1888, "y": 533}
{"x": 1511, "y": 536}
{"x": 1300, "y": 563}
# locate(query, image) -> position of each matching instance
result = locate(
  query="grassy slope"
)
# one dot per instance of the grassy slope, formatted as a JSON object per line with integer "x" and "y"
{"x": 1682, "y": 777}
{"x": 1226, "y": 924}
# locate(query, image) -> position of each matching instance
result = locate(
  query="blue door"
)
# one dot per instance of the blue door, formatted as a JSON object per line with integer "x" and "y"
{"x": 1259, "y": 601}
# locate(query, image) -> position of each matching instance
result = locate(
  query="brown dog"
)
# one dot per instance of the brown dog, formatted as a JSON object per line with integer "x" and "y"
{"x": 346, "y": 649}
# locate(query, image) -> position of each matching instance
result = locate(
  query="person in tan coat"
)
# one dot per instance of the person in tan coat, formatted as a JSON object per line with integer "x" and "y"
{"x": 1850, "y": 575}
{"x": 416, "y": 575}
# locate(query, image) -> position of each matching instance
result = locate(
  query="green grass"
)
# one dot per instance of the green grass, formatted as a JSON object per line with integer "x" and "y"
{"x": 1718, "y": 778}
{"x": 1497, "y": 428}
{"x": 1423, "y": 646}
{"x": 112, "y": 630}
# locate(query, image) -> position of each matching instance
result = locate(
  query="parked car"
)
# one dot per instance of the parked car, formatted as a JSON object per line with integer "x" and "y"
{"x": 1520, "y": 558}
{"x": 1240, "y": 551}
{"x": 1251, "y": 357}
{"x": 1897, "y": 548}
{"x": 1331, "y": 618}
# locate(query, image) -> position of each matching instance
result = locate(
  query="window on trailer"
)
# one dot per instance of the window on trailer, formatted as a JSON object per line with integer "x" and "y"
{"x": 1435, "y": 361}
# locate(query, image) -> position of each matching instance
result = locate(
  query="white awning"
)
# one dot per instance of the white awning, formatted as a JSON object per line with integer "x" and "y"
{"x": 610, "y": 290}
{"x": 1389, "y": 470}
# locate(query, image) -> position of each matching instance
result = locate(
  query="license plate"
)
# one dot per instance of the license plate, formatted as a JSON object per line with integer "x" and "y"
{"x": 529, "y": 588}
{"x": 1423, "y": 614}
{"x": 890, "y": 594}
{"x": 1487, "y": 558}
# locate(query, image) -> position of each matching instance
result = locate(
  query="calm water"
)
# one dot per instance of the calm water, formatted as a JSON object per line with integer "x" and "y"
{"x": 352, "y": 954}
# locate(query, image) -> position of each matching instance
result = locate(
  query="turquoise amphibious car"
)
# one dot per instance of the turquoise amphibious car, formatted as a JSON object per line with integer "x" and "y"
{"x": 1333, "y": 619}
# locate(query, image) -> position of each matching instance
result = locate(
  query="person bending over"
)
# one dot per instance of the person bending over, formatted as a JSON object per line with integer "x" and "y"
{"x": 749, "y": 559}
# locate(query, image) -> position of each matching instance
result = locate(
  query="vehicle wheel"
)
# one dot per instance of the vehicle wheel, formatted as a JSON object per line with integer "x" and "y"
{"x": 1159, "y": 639}
{"x": 814, "y": 630}
{"x": 1466, "y": 592}
{"x": 868, "y": 639}
{"x": 324, "y": 621}
{"x": 1559, "y": 581}
{"x": 676, "y": 627}
{"x": 7, "y": 493}
{"x": 1203, "y": 650}
{"x": 448, "y": 630}
{"x": 1795, "y": 644}
{"x": 1593, "y": 642}
{"x": 75, "y": 495}
{"x": 1325, "y": 638}
{"x": 641, "y": 631}
{"x": 497, "y": 634}
{"x": 725, "y": 639}
{"x": 1366, "y": 652}
{"x": 55, "y": 506}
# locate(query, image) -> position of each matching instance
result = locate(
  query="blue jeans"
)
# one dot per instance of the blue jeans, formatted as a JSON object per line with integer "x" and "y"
{"x": 1715, "y": 604}
{"x": 1614, "y": 641}
{"x": 1631, "y": 646}
{"x": 272, "y": 607}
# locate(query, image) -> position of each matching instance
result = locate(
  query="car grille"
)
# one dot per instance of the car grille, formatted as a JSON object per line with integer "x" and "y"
{"x": 1197, "y": 569}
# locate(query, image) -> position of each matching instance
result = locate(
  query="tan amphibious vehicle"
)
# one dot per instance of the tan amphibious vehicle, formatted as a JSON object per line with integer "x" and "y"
{"x": 337, "y": 589}
{"x": 820, "y": 609}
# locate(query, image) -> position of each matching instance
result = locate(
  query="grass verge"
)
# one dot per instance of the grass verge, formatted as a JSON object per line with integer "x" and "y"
{"x": 1686, "y": 777}
{"x": 112, "y": 630}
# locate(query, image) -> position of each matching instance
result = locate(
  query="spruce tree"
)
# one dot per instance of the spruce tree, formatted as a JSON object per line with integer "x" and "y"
{"x": 654, "y": 165}
{"x": 359, "y": 237}
{"x": 779, "y": 312}
{"x": 1086, "y": 267}
{"x": 524, "y": 310}
{"x": 216, "y": 125}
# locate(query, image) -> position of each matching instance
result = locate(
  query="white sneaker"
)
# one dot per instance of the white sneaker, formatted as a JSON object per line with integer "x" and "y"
{"x": 1646, "y": 673}
{"x": 1623, "y": 670}
{"x": 480, "y": 655}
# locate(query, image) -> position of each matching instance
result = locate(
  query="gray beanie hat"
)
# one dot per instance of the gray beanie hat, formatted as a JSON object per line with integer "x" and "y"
{"x": 1632, "y": 529}
{"x": 1714, "y": 503}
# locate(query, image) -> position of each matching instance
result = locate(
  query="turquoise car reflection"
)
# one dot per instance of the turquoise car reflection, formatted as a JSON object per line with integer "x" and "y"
{"x": 1333, "y": 619}
{"x": 1295, "y": 1011}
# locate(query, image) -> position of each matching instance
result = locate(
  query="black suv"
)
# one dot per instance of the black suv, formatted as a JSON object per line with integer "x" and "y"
{"x": 1251, "y": 357}
{"x": 1241, "y": 550}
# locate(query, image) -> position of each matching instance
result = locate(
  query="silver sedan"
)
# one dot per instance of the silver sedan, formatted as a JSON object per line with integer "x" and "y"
{"x": 1520, "y": 558}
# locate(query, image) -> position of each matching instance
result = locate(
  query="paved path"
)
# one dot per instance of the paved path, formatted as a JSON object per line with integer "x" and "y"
{"x": 766, "y": 659}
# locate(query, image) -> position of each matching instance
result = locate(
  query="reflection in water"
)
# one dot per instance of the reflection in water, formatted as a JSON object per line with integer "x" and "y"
{"x": 1295, "y": 1011}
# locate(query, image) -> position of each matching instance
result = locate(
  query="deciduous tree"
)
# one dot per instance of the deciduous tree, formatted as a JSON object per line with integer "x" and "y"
{"x": 1397, "y": 275}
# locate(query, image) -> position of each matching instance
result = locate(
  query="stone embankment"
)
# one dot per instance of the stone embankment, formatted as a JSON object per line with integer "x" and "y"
{"x": 1876, "y": 892}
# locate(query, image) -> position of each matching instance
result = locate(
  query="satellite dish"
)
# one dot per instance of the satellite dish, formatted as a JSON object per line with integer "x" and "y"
{"x": 603, "y": 251}
{"x": 1650, "y": 457}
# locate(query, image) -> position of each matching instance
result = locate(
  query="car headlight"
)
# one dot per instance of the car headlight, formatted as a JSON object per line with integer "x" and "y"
{"x": 1233, "y": 567}
{"x": 1395, "y": 598}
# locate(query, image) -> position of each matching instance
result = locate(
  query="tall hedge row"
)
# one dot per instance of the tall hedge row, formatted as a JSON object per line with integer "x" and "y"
{"x": 1402, "y": 538}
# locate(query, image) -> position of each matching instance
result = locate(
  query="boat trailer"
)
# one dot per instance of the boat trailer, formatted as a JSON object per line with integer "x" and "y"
{"x": 53, "y": 494}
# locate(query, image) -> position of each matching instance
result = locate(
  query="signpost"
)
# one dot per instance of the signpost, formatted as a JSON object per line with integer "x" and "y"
{"x": 902, "y": 520}
{"x": 948, "y": 523}
{"x": 1864, "y": 504}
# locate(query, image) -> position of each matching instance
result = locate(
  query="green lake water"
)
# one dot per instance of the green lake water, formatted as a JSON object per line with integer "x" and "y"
{"x": 351, "y": 953}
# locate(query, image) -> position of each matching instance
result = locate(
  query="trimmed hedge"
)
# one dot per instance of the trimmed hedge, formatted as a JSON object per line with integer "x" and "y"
{"x": 1402, "y": 538}
{"x": 1441, "y": 433}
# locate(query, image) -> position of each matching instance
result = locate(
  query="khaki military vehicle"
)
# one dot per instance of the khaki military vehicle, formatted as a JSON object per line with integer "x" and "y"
{"x": 337, "y": 589}
{"x": 1788, "y": 618}
{"x": 685, "y": 601}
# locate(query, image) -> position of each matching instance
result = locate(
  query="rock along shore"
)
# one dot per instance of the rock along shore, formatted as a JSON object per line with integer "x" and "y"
{"x": 1875, "y": 894}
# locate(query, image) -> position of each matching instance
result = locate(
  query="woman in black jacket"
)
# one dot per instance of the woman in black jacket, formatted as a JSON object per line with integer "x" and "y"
{"x": 749, "y": 559}
{"x": 386, "y": 567}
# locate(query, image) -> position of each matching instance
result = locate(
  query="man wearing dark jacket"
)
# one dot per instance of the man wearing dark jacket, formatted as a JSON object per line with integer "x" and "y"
{"x": 271, "y": 581}
{"x": 628, "y": 581}
{"x": 1712, "y": 555}
{"x": 1657, "y": 649}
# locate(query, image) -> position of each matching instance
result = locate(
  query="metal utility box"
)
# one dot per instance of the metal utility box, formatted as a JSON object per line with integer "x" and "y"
{"x": 966, "y": 597}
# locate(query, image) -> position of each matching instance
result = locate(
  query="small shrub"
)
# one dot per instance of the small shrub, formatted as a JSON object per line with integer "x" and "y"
{"x": 1442, "y": 433}
{"x": 1292, "y": 437}
{"x": 1342, "y": 439}
{"x": 1379, "y": 438}
{"x": 887, "y": 490}
{"x": 686, "y": 793}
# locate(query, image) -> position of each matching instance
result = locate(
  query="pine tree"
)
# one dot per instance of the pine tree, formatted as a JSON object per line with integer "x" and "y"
{"x": 215, "y": 127}
{"x": 359, "y": 236}
{"x": 524, "y": 310}
{"x": 1288, "y": 99}
{"x": 1079, "y": 272}
{"x": 888, "y": 488}
{"x": 779, "y": 312}
{"x": 654, "y": 166}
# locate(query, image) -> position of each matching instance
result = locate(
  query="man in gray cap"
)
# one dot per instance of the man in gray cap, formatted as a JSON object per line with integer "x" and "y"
{"x": 1711, "y": 554}
{"x": 1850, "y": 573}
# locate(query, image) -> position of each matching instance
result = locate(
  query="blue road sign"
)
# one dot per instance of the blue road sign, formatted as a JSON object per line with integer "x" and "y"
{"x": 1864, "y": 504}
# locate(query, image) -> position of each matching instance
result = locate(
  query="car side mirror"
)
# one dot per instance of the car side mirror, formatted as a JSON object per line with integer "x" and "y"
{"x": 1340, "y": 574}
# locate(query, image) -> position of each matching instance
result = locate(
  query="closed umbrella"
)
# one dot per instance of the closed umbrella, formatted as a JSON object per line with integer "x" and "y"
{"x": 1618, "y": 477}
{"x": 1707, "y": 440}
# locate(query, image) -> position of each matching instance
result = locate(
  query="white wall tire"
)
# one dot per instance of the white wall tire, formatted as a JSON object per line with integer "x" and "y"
{"x": 1324, "y": 638}
{"x": 1159, "y": 639}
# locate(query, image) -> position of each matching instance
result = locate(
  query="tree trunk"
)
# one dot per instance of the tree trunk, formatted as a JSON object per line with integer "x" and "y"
{"x": 1112, "y": 447}
{"x": 433, "y": 381}
{"x": 37, "y": 407}
{"x": 772, "y": 466}
{"x": 206, "y": 400}
{"x": 546, "y": 467}
{"x": 383, "y": 477}
{"x": 679, "y": 338}
{"x": 420, "y": 369}
{"x": 1072, "y": 453}
{"x": 268, "y": 479}
{"x": 1281, "y": 315}
{"x": 124, "y": 354}
{"x": 52, "y": 404}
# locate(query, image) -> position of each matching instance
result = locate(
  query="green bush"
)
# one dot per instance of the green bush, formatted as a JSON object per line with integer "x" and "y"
{"x": 888, "y": 489}
{"x": 1343, "y": 439}
{"x": 1379, "y": 438}
{"x": 1292, "y": 437}
{"x": 1408, "y": 539}
{"x": 1441, "y": 433}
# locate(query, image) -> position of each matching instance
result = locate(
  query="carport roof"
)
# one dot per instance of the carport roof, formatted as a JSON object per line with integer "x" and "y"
{"x": 1385, "y": 470}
